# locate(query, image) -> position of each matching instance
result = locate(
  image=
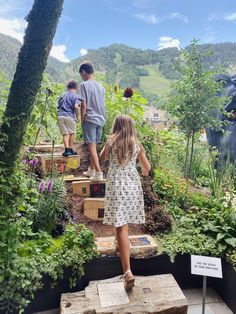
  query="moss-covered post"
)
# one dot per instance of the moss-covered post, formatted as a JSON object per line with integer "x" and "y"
{"x": 42, "y": 23}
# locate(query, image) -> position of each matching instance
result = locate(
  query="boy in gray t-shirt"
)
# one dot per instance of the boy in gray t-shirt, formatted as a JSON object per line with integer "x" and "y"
{"x": 93, "y": 117}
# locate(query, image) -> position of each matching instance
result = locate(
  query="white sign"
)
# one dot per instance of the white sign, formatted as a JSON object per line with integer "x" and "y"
{"x": 112, "y": 294}
{"x": 206, "y": 266}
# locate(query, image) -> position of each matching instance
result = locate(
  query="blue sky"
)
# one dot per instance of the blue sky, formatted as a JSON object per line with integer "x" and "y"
{"x": 146, "y": 24}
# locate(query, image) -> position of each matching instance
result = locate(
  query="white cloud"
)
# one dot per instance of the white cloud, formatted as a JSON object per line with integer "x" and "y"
{"x": 168, "y": 42}
{"x": 58, "y": 52}
{"x": 141, "y": 4}
{"x": 153, "y": 19}
{"x": 230, "y": 17}
{"x": 177, "y": 16}
{"x": 150, "y": 19}
{"x": 83, "y": 52}
{"x": 209, "y": 36}
{"x": 13, "y": 27}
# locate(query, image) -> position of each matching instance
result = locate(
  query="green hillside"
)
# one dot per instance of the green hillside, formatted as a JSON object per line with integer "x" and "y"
{"x": 147, "y": 70}
{"x": 155, "y": 82}
{"x": 9, "y": 49}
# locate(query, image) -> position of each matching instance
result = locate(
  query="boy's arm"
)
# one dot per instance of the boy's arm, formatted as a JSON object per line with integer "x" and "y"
{"x": 145, "y": 164}
{"x": 83, "y": 110}
{"x": 77, "y": 111}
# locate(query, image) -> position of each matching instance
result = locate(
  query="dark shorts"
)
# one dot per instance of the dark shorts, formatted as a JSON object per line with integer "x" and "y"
{"x": 92, "y": 132}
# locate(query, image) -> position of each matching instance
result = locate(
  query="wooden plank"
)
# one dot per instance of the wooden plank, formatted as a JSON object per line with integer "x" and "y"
{"x": 47, "y": 148}
{"x": 94, "y": 208}
{"x": 142, "y": 245}
{"x": 72, "y": 178}
{"x": 106, "y": 245}
{"x": 152, "y": 294}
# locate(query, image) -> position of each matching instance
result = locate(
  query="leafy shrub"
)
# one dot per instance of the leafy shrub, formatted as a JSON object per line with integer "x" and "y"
{"x": 167, "y": 185}
{"x": 187, "y": 240}
{"x": 215, "y": 227}
{"x": 157, "y": 220}
{"x": 44, "y": 255}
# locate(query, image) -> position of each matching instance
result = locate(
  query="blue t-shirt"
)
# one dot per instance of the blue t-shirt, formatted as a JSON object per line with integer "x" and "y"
{"x": 67, "y": 108}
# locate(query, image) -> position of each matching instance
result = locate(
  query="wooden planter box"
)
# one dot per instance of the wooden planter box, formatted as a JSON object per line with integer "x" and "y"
{"x": 59, "y": 162}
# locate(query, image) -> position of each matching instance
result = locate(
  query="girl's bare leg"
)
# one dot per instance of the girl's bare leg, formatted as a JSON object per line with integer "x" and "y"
{"x": 122, "y": 235}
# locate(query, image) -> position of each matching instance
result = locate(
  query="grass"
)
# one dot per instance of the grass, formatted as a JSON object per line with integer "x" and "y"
{"x": 155, "y": 83}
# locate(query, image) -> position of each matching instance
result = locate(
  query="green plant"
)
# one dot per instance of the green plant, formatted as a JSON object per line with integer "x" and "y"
{"x": 208, "y": 231}
{"x": 170, "y": 187}
{"x": 43, "y": 255}
{"x": 221, "y": 175}
{"x": 50, "y": 207}
{"x": 187, "y": 240}
{"x": 44, "y": 115}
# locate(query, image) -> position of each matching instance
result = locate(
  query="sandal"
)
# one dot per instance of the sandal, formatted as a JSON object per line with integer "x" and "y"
{"x": 129, "y": 284}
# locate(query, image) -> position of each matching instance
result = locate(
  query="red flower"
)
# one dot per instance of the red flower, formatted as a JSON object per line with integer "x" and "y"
{"x": 128, "y": 93}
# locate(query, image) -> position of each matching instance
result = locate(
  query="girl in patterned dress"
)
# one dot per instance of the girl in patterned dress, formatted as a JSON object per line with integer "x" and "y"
{"x": 124, "y": 201}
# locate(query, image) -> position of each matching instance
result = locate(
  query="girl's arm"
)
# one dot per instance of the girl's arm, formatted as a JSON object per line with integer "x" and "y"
{"x": 104, "y": 154}
{"x": 145, "y": 164}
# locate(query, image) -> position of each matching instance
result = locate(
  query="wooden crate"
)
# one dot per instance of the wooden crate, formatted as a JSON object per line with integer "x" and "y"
{"x": 88, "y": 188}
{"x": 94, "y": 208}
{"x": 59, "y": 162}
{"x": 81, "y": 188}
{"x": 151, "y": 294}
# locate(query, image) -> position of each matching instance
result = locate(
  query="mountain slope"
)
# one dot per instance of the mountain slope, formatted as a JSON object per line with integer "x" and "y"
{"x": 147, "y": 70}
{"x": 9, "y": 49}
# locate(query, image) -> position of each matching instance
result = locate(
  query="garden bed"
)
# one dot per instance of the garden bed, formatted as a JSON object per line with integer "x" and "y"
{"x": 105, "y": 267}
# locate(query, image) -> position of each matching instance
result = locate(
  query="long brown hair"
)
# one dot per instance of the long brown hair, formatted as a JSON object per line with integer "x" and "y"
{"x": 123, "y": 138}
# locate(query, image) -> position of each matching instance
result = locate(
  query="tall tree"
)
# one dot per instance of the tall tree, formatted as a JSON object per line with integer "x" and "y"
{"x": 193, "y": 99}
{"x": 42, "y": 23}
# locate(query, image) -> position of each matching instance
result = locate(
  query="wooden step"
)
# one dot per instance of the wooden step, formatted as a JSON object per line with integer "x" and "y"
{"x": 142, "y": 245}
{"x": 151, "y": 294}
{"x": 89, "y": 188}
{"x": 47, "y": 148}
{"x": 59, "y": 162}
{"x": 72, "y": 178}
{"x": 94, "y": 208}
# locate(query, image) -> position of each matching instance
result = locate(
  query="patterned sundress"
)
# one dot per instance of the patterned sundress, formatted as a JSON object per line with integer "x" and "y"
{"x": 124, "y": 202}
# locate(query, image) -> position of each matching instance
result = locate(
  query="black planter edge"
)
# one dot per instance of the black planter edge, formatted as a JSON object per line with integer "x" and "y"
{"x": 104, "y": 267}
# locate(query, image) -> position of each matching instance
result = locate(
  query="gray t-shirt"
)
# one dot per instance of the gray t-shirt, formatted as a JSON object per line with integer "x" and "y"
{"x": 94, "y": 95}
{"x": 67, "y": 108}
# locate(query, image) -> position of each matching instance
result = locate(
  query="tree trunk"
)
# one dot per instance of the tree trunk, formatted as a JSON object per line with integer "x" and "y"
{"x": 42, "y": 23}
{"x": 186, "y": 156}
{"x": 191, "y": 155}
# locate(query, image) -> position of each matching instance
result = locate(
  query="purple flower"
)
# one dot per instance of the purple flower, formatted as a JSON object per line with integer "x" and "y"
{"x": 41, "y": 187}
{"x": 33, "y": 163}
{"x": 24, "y": 162}
{"x": 50, "y": 185}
